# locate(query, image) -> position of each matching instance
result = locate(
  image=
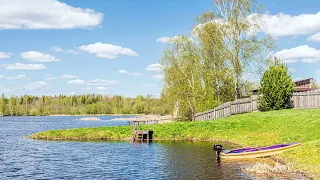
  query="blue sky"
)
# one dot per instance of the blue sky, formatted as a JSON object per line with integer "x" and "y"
{"x": 113, "y": 47}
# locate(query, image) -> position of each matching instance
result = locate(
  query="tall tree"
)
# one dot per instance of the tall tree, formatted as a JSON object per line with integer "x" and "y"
{"x": 217, "y": 79}
{"x": 182, "y": 73}
{"x": 2, "y": 104}
{"x": 240, "y": 21}
{"x": 12, "y": 105}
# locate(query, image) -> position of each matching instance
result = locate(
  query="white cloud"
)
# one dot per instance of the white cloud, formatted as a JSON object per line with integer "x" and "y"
{"x": 37, "y": 85}
{"x": 5, "y": 55}
{"x": 314, "y": 38}
{"x": 167, "y": 39}
{"x": 123, "y": 72}
{"x": 154, "y": 67}
{"x": 69, "y": 76}
{"x": 35, "y": 56}
{"x": 158, "y": 76}
{"x": 17, "y": 77}
{"x": 107, "y": 51}
{"x": 76, "y": 81}
{"x": 163, "y": 39}
{"x": 101, "y": 82}
{"x": 150, "y": 85}
{"x": 93, "y": 89}
{"x": 1, "y": 76}
{"x": 129, "y": 73}
{"x": 281, "y": 25}
{"x": 58, "y": 49}
{"x": 101, "y": 88}
{"x": 19, "y": 66}
{"x": 47, "y": 14}
{"x": 48, "y": 77}
{"x": 287, "y": 25}
{"x": 96, "y": 82}
{"x": 304, "y": 53}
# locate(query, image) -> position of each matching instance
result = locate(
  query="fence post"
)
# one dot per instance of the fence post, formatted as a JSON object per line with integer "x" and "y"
{"x": 299, "y": 101}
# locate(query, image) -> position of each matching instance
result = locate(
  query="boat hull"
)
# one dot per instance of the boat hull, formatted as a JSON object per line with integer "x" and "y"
{"x": 257, "y": 152}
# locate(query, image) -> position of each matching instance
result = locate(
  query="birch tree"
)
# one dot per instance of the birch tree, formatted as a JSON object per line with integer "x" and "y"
{"x": 216, "y": 74}
{"x": 240, "y": 21}
{"x": 182, "y": 74}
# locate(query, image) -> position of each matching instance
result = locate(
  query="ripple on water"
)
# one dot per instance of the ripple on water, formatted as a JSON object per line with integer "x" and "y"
{"x": 23, "y": 158}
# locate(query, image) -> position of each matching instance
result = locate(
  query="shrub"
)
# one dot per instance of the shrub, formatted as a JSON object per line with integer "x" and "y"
{"x": 276, "y": 87}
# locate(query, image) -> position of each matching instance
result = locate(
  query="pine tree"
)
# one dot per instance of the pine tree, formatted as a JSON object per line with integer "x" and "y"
{"x": 276, "y": 87}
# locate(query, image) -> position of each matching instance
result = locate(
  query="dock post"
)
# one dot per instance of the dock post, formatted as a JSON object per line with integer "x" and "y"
{"x": 139, "y": 135}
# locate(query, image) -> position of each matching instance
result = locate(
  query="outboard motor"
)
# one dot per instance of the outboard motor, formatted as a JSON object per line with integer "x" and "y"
{"x": 218, "y": 149}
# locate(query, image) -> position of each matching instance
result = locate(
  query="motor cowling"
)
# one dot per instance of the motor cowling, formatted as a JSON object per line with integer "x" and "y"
{"x": 218, "y": 148}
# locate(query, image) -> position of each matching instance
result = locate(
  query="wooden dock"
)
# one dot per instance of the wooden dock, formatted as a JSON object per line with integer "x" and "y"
{"x": 143, "y": 136}
{"x": 144, "y": 122}
{"x": 140, "y": 135}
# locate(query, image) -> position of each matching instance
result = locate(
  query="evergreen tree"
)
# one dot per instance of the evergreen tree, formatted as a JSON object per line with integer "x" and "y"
{"x": 276, "y": 87}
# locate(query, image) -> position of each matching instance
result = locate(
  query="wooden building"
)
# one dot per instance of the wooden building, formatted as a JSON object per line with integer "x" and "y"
{"x": 303, "y": 85}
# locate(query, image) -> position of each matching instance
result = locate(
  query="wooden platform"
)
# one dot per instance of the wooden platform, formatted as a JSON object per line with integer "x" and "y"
{"x": 141, "y": 135}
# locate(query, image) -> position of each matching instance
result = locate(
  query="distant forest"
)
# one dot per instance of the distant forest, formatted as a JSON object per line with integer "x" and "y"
{"x": 28, "y": 105}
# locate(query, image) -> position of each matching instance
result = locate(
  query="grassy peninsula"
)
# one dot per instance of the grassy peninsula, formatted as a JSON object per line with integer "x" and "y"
{"x": 251, "y": 129}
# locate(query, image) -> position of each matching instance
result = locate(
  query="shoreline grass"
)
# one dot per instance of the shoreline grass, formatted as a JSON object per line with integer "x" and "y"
{"x": 251, "y": 129}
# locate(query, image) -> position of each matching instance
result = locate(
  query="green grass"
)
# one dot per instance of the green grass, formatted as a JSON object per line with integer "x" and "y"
{"x": 251, "y": 129}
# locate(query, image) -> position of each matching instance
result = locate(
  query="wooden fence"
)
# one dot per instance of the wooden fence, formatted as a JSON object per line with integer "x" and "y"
{"x": 302, "y": 100}
{"x": 230, "y": 108}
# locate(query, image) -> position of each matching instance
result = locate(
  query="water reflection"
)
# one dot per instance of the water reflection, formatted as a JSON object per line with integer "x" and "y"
{"x": 196, "y": 160}
{"x": 22, "y": 158}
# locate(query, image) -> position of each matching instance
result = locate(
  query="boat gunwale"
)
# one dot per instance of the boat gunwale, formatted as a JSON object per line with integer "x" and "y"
{"x": 261, "y": 151}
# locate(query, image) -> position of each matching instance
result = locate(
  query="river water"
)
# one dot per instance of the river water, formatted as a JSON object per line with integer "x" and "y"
{"x": 23, "y": 158}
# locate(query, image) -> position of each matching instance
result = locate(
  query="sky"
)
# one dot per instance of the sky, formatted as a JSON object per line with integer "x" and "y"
{"x": 51, "y": 47}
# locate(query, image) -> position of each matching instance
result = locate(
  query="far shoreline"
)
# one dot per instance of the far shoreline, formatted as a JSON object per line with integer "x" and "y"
{"x": 87, "y": 115}
{"x": 94, "y": 115}
{"x": 115, "y": 117}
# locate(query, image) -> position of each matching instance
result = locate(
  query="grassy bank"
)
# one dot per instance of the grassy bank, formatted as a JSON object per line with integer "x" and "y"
{"x": 252, "y": 129}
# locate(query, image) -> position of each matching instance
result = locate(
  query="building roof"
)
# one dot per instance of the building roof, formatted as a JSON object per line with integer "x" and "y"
{"x": 304, "y": 80}
{"x": 303, "y": 89}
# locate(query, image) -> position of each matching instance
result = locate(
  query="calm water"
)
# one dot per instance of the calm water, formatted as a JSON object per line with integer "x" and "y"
{"x": 22, "y": 158}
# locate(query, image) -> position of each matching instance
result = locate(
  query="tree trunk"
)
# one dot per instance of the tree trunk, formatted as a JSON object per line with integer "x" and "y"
{"x": 192, "y": 116}
{"x": 176, "y": 110}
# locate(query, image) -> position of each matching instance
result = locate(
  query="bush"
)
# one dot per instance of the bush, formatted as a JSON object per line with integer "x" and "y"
{"x": 276, "y": 87}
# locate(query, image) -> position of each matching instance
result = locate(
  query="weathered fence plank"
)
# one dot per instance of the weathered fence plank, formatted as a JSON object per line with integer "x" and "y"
{"x": 300, "y": 100}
